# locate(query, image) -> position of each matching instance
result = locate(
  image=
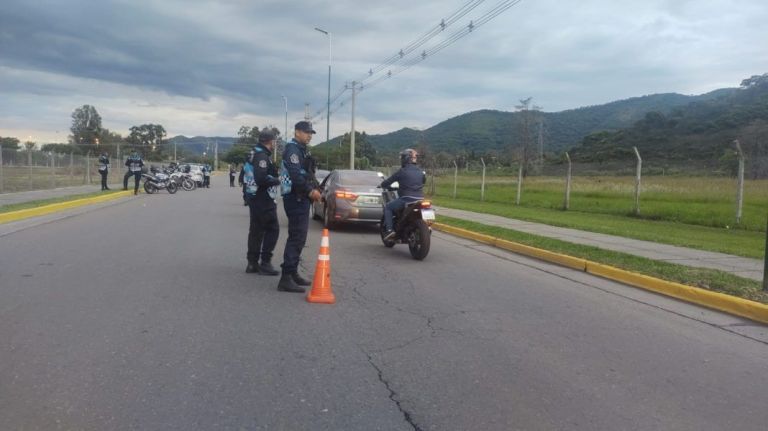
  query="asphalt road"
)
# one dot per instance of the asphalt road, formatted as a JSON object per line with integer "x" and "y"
{"x": 139, "y": 315}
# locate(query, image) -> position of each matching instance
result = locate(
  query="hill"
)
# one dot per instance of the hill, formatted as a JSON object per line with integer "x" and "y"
{"x": 199, "y": 144}
{"x": 485, "y": 131}
{"x": 702, "y": 130}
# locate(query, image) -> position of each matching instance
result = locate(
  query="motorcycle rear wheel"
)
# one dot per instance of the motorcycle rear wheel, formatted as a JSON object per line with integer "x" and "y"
{"x": 419, "y": 240}
{"x": 172, "y": 187}
{"x": 387, "y": 243}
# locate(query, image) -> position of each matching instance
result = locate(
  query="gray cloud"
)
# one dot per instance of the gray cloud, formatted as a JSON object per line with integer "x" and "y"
{"x": 206, "y": 67}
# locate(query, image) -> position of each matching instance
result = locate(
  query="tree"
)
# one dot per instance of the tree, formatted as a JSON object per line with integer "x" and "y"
{"x": 29, "y": 145}
{"x": 526, "y": 118}
{"x": 86, "y": 128}
{"x": 755, "y": 80}
{"x": 9, "y": 143}
{"x": 149, "y": 139}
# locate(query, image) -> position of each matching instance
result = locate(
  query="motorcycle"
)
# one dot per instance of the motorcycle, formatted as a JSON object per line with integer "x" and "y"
{"x": 412, "y": 225}
{"x": 183, "y": 180}
{"x": 155, "y": 181}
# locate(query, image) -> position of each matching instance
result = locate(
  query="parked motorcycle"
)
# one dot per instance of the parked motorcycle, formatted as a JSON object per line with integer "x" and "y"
{"x": 155, "y": 181}
{"x": 411, "y": 225}
{"x": 183, "y": 180}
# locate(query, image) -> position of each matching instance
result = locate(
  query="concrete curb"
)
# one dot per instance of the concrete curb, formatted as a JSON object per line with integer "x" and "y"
{"x": 718, "y": 301}
{"x": 59, "y": 206}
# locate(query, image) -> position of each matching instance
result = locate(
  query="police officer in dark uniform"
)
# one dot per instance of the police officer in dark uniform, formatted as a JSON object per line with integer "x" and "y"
{"x": 134, "y": 164}
{"x": 261, "y": 187}
{"x": 411, "y": 181}
{"x": 298, "y": 169}
{"x": 104, "y": 170}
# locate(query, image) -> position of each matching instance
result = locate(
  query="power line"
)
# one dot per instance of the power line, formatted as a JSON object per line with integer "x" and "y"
{"x": 405, "y": 58}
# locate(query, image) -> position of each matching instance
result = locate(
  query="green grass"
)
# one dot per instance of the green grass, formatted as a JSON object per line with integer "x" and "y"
{"x": 694, "y": 212}
{"x": 730, "y": 241}
{"x": 709, "y": 279}
{"x": 41, "y": 202}
{"x": 702, "y": 201}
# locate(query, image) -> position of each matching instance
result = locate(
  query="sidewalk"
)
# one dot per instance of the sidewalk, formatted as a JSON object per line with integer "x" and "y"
{"x": 741, "y": 266}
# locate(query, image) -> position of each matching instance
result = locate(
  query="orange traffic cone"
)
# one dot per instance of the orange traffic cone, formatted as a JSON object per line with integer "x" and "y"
{"x": 321, "y": 286}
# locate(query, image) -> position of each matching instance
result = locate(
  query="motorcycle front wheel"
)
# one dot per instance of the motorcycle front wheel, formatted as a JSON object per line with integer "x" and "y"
{"x": 149, "y": 188}
{"x": 172, "y": 187}
{"x": 419, "y": 239}
{"x": 188, "y": 185}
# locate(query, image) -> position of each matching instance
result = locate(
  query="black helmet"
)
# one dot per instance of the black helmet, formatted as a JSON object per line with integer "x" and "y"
{"x": 408, "y": 156}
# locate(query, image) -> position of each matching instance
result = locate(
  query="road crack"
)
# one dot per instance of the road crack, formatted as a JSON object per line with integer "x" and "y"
{"x": 393, "y": 395}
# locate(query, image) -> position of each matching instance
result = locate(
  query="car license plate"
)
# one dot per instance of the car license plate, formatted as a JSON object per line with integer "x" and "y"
{"x": 427, "y": 214}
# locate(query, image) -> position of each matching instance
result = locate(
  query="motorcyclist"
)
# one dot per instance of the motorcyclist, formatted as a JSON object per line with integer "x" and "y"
{"x": 411, "y": 181}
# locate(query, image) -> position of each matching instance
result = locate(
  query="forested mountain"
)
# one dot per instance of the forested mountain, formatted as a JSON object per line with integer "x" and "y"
{"x": 702, "y": 130}
{"x": 490, "y": 131}
{"x": 199, "y": 144}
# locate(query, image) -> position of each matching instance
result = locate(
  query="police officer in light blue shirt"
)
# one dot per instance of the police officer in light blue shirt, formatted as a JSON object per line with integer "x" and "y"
{"x": 134, "y": 164}
{"x": 261, "y": 183}
{"x": 300, "y": 189}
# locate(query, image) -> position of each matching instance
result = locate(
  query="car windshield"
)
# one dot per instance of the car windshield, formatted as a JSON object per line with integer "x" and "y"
{"x": 360, "y": 178}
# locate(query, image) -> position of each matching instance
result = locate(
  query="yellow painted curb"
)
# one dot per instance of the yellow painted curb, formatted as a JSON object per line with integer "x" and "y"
{"x": 718, "y": 301}
{"x": 59, "y": 206}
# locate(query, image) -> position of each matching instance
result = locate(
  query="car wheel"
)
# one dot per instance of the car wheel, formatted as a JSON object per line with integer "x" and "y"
{"x": 327, "y": 218}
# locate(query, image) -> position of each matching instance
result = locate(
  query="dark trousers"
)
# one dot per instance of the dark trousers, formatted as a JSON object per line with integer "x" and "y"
{"x": 231, "y": 180}
{"x": 207, "y": 181}
{"x": 104, "y": 174}
{"x": 263, "y": 231}
{"x": 298, "y": 224}
{"x": 136, "y": 178}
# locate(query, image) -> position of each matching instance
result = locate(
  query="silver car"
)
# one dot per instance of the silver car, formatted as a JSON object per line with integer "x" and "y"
{"x": 349, "y": 196}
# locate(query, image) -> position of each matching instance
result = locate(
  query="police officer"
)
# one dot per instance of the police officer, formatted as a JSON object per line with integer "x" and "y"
{"x": 411, "y": 181}
{"x": 298, "y": 167}
{"x": 261, "y": 184}
{"x": 134, "y": 164}
{"x": 206, "y": 176}
{"x": 104, "y": 170}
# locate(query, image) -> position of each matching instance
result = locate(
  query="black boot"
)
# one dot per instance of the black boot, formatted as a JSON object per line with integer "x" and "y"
{"x": 252, "y": 268}
{"x": 266, "y": 268}
{"x": 287, "y": 284}
{"x": 301, "y": 281}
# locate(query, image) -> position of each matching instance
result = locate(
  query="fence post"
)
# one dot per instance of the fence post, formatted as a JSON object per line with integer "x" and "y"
{"x": 88, "y": 168}
{"x": 29, "y": 169}
{"x": 53, "y": 170}
{"x": 71, "y": 167}
{"x": 637, "y": 181}
{"x": 2, "y": 188}
{"x": 455, "y": 177}
{"x": 567, "y": 203}
{"x": 519, "y": 183}
{"x": 740, "y": 185}
{"x": 482, "y": 184}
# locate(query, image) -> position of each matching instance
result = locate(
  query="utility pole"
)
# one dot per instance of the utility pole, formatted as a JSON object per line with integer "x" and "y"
{"x": 352, "y": 137}
{"x": 216, "y": 155}
{"x": 285, "y": 131}
{"x": 306, "y": 112}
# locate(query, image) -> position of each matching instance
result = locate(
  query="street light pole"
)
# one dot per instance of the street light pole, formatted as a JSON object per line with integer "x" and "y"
{"x": 328, "y": 100}
{"x": 285, "y": 131}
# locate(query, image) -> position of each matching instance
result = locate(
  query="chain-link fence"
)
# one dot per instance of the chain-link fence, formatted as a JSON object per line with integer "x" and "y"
{"x": 24, "y": 170}
{"x": 688, "y": 192}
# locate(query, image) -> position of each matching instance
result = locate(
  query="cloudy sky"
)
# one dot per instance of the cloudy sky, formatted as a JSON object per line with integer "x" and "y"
{"x": 207, "y": 67}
